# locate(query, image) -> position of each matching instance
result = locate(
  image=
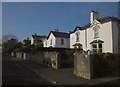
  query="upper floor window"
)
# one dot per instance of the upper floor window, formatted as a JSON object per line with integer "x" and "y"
{"x": 62, "y": 41}
{"x": 46, "y": 43}
{"x": 96, "y": 31}
{"x": 50, "y": 41}
{"x": 77, "y": 36}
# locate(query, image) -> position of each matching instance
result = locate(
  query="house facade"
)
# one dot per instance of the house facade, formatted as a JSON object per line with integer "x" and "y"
{"x": 57, "y": 39}
{"x": 37, "y": 39}
{"x": 100, "y": 35}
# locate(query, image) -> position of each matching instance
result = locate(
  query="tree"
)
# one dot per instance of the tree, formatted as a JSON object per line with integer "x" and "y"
{"x": 26, "y": 42}
{"x": 10, "y": 45}
{"x": 7, "y": 37}
{"x": 26, "y": 45}
{"x": 38, "y": 43}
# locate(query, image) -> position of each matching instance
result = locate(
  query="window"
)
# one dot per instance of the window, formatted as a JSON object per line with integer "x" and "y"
{"x": 46, "y": 43}
{"x": 62, "y": 41}
{"x": 94, "y": 48}
{"x": 97, "y": 47}
{"x": 77, "y": 36}
{"x": 50, "y": 41}
{"x": 100, "y": 47}
{"x": 96, "y": 31}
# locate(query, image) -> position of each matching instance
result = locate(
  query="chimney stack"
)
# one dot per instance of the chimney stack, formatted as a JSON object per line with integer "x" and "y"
{"x": 56, "y": 30}
{"x": 93, "y": 15}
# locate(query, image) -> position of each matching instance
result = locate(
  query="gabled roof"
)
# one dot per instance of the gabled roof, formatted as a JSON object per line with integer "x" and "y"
{"x": 59, "y": 34}
{"x": 76, "y": 28}
{"x": 86, "y": 26}
{"x": 38, "y": 37}
{"x": 108, "y": 18}
{"x": 103, "y": 20}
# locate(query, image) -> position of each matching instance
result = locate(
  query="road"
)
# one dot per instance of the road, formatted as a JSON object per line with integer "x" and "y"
{"x": 13, "y": 73}
{"x": 22, "y": 72}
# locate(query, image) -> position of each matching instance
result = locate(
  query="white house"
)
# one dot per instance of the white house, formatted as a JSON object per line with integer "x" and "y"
{"x": 101, "y": 35}
{"x": 36, "y": 39}
{"x": 57, "y": 39}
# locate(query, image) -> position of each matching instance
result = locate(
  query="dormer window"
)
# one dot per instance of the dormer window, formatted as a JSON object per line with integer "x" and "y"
{"x": 96, "y": 31}
{"x": 77, "y": 36}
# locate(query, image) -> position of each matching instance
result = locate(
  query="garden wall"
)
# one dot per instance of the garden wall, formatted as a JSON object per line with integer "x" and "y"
{"x": 19, "y": 55}
{"x": 51, "y": 59}
{"x": 96, "y": 65}
{"x": 83, "y": 65}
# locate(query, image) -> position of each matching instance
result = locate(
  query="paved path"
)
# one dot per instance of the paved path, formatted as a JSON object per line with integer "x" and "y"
{"x": 65, "y": 76}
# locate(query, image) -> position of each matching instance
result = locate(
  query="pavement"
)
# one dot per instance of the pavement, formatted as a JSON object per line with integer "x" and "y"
{"x": 64, "y": 76}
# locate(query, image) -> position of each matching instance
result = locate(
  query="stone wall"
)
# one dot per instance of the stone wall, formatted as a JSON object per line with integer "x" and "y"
{"x": 19, "y": 55}
{"x": 83, "y": 65}
{"x": 51, "y": 59}
{"x": 24, "y": 56}
{"x": 90, "y": 66}
{"x": 13, "y": 54}
{"x": 54, "y": 58}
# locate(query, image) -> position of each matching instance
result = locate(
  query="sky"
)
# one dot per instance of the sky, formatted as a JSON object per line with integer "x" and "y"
{"x": 23, "y": 19}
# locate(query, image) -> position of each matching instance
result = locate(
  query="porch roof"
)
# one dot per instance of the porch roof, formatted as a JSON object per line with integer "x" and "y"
{"x": 97, "y": 41}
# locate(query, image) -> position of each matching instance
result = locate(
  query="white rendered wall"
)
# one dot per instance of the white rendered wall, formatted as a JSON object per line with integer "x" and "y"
{"x": 65, "y": 45}
{"x": 115, "y": 36}
{"x": 32, "y": 41}
{"x": 105, "y": 34}
{"x": 53, "y": 40}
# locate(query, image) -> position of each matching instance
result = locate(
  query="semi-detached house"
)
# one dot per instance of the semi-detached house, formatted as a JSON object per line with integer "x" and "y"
{"x": 100, "y": 35}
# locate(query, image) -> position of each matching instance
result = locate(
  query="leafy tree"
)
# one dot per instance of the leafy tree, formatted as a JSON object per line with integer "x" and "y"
{"x": 7, "y": 37}
{"x": 10, "y": 45}
{"x": 38, "y": 43}
{"x": 26, "y": 42}
{"x": 26, "y": 45}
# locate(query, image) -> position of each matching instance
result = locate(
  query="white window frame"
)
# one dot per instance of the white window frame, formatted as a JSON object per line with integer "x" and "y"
{"x": 97, "y": 47}
{"x": 96, "y": 31}
{"x": 93, "y": 49}
{"x": 77, "y": 34}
